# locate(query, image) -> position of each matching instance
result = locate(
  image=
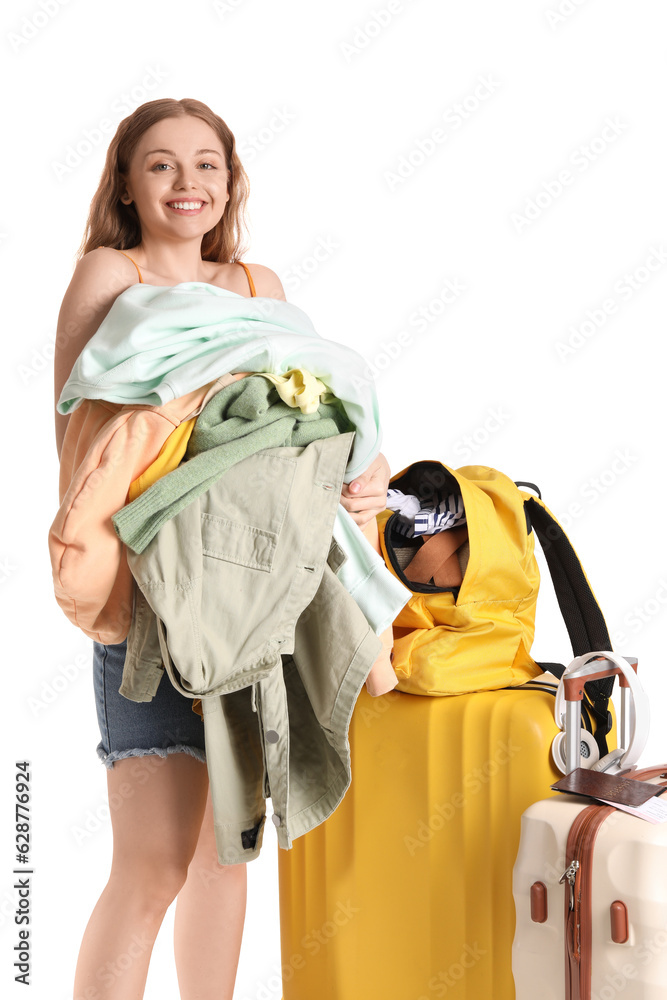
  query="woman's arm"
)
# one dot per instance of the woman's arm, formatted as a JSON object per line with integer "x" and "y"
{"x": 99, "y": 278}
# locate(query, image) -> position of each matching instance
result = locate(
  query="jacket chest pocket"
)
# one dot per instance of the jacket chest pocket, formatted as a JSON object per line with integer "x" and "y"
{"x": 246, "y": 511}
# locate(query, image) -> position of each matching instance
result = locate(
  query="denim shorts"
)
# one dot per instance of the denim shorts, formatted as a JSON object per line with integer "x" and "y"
{"x": 166, "y": 724}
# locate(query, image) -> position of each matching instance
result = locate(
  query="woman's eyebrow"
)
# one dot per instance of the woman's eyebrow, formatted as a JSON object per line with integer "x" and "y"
{"x": 170, "y": 152}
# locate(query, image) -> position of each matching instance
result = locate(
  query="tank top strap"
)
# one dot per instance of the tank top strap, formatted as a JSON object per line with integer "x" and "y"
{"x": 133, "y": 261}
{"x": 249, "y": 277}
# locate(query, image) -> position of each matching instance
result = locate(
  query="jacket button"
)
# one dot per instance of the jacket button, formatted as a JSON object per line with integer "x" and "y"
{"x": 272, "y": 736}
{"x": 276, "y": 819}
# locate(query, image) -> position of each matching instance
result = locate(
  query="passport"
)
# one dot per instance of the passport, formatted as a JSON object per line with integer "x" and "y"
{"x": 613, "y": 788}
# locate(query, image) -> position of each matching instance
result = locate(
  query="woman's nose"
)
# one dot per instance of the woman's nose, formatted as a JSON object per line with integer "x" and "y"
{"x": 186, "y": 180}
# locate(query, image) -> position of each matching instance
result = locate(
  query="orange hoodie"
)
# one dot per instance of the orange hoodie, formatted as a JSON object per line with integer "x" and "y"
{"x": 106, "y": 447}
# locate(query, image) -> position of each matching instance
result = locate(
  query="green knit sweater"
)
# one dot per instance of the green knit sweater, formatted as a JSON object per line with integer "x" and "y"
{"x": 243, "y": 418}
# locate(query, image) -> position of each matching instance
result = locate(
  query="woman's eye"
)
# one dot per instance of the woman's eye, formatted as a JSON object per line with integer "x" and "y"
{"x": 207, "y": 165}
{"x": 160, "y": 165}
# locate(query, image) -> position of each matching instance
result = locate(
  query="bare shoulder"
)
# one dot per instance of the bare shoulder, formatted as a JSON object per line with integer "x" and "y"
{"x": 98, "y": 279}
{"x": 103, "y": 273}
{"x": 267, "y": 283}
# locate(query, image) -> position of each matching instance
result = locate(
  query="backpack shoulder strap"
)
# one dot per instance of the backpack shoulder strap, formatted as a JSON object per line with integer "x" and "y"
{"x": 581, "y": 612}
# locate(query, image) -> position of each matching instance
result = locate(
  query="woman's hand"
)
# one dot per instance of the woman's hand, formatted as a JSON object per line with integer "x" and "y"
{"x": 366, "y": 496}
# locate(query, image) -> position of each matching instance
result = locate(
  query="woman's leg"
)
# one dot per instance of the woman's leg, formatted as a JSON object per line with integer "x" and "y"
{"x": 156, "y": 823}
{"x": 208, "y": 924}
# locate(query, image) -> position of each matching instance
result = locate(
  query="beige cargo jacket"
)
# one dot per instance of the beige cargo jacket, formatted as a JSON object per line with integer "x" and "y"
{"x": 238, "y": 600}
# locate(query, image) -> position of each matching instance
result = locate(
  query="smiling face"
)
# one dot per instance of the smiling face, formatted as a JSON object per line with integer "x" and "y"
{"x": 177, "y": 178}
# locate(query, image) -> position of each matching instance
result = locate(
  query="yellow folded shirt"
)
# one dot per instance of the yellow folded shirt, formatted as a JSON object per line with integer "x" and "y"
{"x": 299, "y": 387}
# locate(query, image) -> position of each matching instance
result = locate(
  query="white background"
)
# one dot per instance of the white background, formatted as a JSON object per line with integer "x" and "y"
{"x": 327, "y": 102}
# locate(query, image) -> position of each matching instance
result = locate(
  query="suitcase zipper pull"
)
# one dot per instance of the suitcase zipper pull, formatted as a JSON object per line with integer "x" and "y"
{"x": 570, "y": 874}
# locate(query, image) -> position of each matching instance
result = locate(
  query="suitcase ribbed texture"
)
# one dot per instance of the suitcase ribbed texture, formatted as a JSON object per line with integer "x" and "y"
{"x": 405, "y": 892}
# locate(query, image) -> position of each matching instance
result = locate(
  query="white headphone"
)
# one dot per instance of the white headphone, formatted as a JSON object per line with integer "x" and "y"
{"x": 621, "y": 758}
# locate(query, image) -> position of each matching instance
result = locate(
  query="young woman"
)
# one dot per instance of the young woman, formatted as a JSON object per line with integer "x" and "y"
{"x": 171, "y": 197}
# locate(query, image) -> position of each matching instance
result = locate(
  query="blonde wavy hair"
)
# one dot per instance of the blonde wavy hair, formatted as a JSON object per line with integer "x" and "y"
{"x": 111, "y": 223}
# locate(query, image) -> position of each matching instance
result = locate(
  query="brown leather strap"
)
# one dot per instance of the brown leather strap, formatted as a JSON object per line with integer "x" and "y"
{"x": 649, "y": 772}
{"x": 578, "y": 922}
{"x": 437, "y": 558}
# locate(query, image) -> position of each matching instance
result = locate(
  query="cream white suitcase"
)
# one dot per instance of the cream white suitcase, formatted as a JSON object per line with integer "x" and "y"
{"x": 590, "y": 885}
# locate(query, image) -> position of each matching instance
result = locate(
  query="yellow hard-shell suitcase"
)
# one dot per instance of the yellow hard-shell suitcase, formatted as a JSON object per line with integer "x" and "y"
{"x": 405, "y": 892}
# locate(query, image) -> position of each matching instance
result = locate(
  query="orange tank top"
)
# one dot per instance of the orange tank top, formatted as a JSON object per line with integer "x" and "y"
{"x": 251, "y": 283}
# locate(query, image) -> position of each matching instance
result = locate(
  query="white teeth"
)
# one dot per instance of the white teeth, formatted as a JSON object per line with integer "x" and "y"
{"x": 186, "y": 205}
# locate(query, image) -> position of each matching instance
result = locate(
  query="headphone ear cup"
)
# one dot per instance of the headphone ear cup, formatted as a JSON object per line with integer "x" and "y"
{"x": 558, "y": 752}
{"x": 589, "y": 751}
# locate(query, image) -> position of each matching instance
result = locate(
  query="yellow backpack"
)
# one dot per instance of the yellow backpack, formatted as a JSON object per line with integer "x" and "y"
{"x": 477, "y": 636}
